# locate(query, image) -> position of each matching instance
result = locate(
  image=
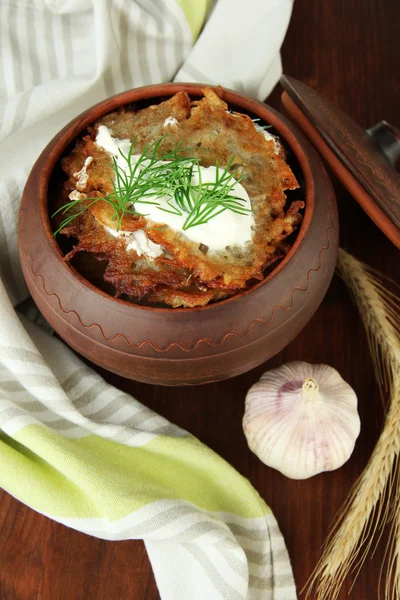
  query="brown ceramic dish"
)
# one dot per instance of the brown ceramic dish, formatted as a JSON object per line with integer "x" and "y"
{"x": 191, "y": 345}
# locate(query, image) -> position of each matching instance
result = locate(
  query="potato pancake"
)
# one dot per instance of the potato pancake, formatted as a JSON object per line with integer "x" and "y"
{"x": 145, "y": 256}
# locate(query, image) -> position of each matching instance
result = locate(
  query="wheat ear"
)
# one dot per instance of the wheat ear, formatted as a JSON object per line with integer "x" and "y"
{"x": 377, "y": 489}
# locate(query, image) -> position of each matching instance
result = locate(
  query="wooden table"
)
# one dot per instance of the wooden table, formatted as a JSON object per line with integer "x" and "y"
{"x": 349, "y": 51}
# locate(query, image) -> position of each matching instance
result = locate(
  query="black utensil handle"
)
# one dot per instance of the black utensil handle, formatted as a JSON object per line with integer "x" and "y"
{"x": 387, "y": 138}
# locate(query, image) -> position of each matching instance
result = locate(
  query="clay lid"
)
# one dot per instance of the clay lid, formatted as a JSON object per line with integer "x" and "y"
{"x": 363, "y": 160}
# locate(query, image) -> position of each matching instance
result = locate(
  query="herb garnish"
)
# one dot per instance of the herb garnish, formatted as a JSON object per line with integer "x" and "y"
{"x": 171, "y": 176}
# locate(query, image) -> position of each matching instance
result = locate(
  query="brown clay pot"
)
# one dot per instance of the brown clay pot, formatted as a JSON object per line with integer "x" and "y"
{"x": 180, "y": 346}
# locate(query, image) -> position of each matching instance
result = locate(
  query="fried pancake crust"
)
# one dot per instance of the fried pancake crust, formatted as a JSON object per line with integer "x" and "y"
{"x": 187, "y": 274}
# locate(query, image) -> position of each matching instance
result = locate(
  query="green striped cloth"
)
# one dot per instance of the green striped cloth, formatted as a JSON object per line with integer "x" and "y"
{"x": 71, "y": 446}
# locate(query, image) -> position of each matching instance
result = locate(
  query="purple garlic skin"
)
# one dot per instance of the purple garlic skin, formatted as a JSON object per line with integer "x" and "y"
{"x": 301, "y": 419}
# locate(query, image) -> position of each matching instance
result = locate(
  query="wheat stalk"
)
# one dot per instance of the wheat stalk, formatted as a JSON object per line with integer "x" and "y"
{"x": 393, "y": 549}
{"x": 378, "y": 488}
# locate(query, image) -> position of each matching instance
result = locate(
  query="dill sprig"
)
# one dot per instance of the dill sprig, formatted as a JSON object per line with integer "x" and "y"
{"x": 206, "y": 200}
{"x": 150, "y": 176}
{"x": 146, "y": 176}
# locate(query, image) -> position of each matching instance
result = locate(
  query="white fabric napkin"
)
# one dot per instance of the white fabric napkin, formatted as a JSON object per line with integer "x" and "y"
{"x": 239, "y": 46}
{"x": 57, "y": 58}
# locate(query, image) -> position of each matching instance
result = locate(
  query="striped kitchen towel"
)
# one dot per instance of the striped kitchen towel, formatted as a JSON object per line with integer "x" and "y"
{"x": 71, "y": 446}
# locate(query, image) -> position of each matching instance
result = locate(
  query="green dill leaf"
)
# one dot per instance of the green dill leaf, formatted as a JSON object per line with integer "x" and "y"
{"x": 154, "y": 175}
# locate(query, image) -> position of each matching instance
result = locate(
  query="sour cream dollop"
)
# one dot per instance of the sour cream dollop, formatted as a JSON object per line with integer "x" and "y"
{"x": 269, "y": 137}
{"x": 226, "y": 229}
{"x": 82, "y": 175}
{"x": 170, "y": 121}
{"x": 138, "y": 241}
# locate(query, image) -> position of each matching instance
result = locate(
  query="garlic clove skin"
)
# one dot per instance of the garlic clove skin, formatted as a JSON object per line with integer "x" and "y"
{"x": 301, "y": 419}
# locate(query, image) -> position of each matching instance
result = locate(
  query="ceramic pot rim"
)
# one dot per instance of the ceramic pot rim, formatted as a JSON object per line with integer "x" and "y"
{"x": 153, "y": 93}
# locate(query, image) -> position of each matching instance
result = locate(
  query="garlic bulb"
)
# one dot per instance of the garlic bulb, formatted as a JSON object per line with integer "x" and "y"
{"x": 301, "y": 419}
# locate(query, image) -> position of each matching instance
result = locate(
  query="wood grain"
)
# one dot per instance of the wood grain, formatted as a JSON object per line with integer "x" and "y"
{"x": 349, "y": 51}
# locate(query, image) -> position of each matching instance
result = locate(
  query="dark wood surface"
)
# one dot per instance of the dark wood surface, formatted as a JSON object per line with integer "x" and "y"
{"x": 348, "y": 50}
